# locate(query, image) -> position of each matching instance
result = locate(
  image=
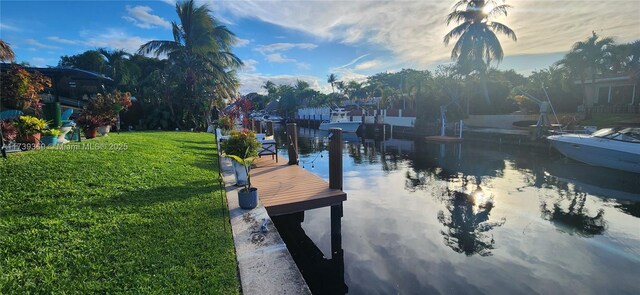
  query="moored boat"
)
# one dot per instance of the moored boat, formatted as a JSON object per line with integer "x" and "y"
{"x": 611, "y": 147}
{"x": 339, "y": 119}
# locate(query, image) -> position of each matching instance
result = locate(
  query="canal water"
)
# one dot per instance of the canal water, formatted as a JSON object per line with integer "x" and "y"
{"x": 425, "y": 218}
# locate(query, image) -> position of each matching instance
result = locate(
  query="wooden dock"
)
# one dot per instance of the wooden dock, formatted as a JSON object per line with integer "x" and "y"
{"x": 285, "y": 189}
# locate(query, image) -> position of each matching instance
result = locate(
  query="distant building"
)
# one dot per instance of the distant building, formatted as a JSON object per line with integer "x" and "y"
{"x": 620, "y": 90}
{"x": 73, "y": 88}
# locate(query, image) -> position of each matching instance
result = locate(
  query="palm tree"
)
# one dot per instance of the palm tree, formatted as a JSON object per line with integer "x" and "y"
{"x": 6, "y": 54}
{"x": 594, "y": 54}
{"x": 200, "y": 51}
{"x": 477, "y": 44}
{"x": 575, "y": 64}
{"x": 332, "y": 79}
{"x": 114, "y": 58}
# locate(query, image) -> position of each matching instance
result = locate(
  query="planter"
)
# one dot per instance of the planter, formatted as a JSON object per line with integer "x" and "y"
{"x": 104, "y": 130}
{"x": 248, "y": 199}
{"x": 29, "y": 142}
{"x": 63, "y": 133}
{"x": 240, "y": 173}
{"x": 90, "y": 133}
{"x": 49, "y": 140}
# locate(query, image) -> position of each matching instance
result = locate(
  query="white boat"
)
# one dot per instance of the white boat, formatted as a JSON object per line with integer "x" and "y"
{"x": 611, "y": 148}
{"x": 272, "y": 118}
{"x": 339, "y": 119}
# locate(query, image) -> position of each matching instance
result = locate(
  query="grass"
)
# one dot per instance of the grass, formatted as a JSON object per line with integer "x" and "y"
{"x": 611, "y": 120}
{"x": 146, "y": 218}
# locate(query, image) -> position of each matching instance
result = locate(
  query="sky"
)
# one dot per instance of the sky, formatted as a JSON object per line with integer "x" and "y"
{"x": 285, "y": 41}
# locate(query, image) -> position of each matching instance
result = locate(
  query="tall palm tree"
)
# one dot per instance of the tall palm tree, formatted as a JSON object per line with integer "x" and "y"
{"x": 200, "y": 50}
{"x": 6, "y": 54}
{"x": 594, "y": 52}
{"x": 477, "y": 45}
{"x": 575, "y": 64}
{"x": 114, "y": 59}
{"x": 332, "y": 79}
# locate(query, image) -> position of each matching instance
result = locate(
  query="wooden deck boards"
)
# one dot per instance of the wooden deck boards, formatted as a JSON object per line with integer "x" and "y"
{"x": 285, "y": 189}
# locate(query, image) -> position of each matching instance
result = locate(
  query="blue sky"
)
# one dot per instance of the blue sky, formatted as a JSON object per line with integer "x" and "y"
{"x": 287, "y": 40}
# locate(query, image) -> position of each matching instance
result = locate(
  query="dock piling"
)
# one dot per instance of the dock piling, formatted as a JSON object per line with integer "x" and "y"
{"x": 335, "y": 159}
{"x": 292, "y": 138}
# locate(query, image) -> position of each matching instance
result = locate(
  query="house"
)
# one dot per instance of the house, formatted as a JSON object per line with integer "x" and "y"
{"x": 619, "y": 90}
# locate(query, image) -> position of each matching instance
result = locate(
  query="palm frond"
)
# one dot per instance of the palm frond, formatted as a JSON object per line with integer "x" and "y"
{"x": 457, "y": 31}
{"x": 503, "y": 29}
{"x": 158, "y": 47}
{"x": 499, "y": 10}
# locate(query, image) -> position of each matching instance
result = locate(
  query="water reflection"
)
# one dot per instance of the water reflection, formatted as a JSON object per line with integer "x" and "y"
{"x": 574, "y": 218}
{"x": 431, "y": 218}
{"x": 467, "y": 222}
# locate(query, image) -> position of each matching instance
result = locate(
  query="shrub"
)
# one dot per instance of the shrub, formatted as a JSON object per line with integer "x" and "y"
{"x": 9, "y": 130}
{"x": 20, "y": 88}
{"x": 243, "y": 144}
{"x": 28, "y": 125}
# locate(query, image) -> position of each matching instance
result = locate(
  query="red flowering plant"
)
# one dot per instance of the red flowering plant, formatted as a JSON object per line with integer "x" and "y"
{"x": 9, "y": 130}
{"x": 20, "y": 88}
{"x": 88, "y": 121}
{"x": 104, "y": 108}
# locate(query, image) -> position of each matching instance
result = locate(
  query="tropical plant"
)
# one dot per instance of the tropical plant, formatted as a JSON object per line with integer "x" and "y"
{"x": 477, "y": 45}
{"x": 225, "y": 122}
{"x": 88, "y": 121}
{"x": 242, "y": 144}
{"x": 594, "y": 53}
{"x": 6, "y": 54}
{"x": 50, "y": 132}
{"x": 246, "y": 162}
{"x": 200, "y": 58}
{"x": 29, "y": 125}
{"x": 332, "y": 79}
{"x": 9, "y": 130}
{"x": 20, "y": 88}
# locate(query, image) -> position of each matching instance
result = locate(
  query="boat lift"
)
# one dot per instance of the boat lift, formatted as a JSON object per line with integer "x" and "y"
{"x": 543, "y": 119}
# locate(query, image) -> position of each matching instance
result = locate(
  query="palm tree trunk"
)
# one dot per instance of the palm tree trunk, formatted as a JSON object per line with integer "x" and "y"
{"x": 483, "y": 84}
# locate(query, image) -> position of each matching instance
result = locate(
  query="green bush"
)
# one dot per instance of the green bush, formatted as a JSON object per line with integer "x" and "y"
{"x": 243, "y": 144}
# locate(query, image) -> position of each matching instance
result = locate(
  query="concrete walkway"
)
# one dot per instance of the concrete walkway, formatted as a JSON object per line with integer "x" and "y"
{"x": 264, "y": 262}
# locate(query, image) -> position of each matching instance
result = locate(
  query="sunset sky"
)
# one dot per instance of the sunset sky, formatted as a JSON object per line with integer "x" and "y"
{"x": 283, "y": 41}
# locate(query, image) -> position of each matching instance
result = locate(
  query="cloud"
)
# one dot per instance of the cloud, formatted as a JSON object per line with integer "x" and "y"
{"x": 278, "y": 58}
{"x": 272, "y": 53}
{"x": 141, "y": 17}
{"x": 242, "y": 42}
{"x": 115, "y": 39}
{"x": 170, "y": 2}
{"x": 264, "y": 49}
{"x": 249, "y": 65}
{"x": 252, "y": 82}
{"x": 8, "y": 28}
{"x": 367, "y": 65}
{"x": 412, "y": 31}
{"x": 40, "y": 45}
{"x": 64, "y": 41}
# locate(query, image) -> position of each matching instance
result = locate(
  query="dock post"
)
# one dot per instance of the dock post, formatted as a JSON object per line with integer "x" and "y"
{"x": 292, "y": 139}
{"x": 251, "y": 124}
{"x": 269, "y": 128}
{"x": 336, "y": 231}
{"x": 335, "y": 159}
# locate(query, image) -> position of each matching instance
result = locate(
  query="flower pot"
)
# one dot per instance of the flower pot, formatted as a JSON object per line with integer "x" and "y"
{"x": 49, "y": 140}
{"x": 63, "y": 133}
{"x": 29, "y": 142}
{"x": 90, "y": 132}
{"x": 248, "y": 199}
{"x": 240, "y": 173}
{"x": 104, "y": 130}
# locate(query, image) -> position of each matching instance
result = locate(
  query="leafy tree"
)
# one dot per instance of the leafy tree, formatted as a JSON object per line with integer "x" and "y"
{"x": 593, "y": 52}
{"x": 200, "y": 58}
{"x": 477, "y": 45}
{"x": 90, "y": 60}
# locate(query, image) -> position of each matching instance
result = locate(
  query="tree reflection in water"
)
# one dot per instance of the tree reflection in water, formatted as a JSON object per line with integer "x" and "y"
{"x": 467, "y": 222}
{"x": 576, "y": 219}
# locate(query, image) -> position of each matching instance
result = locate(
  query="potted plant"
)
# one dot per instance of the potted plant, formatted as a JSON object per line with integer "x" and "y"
{"x": 105, "y": 125}
{"x": 247, "y": 196}
{"x": 29, "y": 129}
{"x": 9, "y": 131}
{"x": 244, "y": 145}
{"x": 89, "y": 124}
{"x": 50, "y": 137}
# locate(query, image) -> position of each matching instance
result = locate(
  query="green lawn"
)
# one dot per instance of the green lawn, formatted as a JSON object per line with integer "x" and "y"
{"x": 147, "y": 218}
{"x": 612, "y": 120}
